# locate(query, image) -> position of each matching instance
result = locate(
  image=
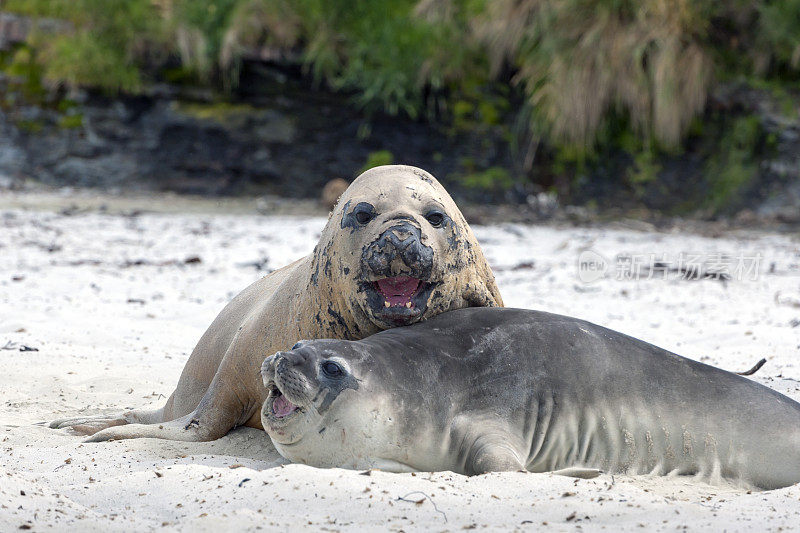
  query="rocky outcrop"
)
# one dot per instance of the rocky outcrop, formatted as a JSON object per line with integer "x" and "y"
{"x": 780, "y": 171}
{"x": 276, "y": 135}
{"x": 289, "y": 142}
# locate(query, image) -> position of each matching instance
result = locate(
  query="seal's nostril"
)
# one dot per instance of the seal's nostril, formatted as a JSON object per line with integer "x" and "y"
{"x": 290, "y": 359}
{"x": 399, "y": 250}
{"x": 408, "y": 241}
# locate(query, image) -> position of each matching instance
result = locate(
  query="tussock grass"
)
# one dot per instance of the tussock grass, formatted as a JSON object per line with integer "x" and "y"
{"x": 579, "y": 64}
{"x": 580, "y": 60}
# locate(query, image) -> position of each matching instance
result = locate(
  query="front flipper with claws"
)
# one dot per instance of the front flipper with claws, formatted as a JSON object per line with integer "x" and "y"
{"x": 187, "y": 428}
{"x": 89, "y": 425}
{"x": 200, "y": 414}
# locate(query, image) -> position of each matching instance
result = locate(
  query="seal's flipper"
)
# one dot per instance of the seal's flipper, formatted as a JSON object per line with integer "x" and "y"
{"x": 581, "y": 473}
{"x": 218, "y": 412}
{"x": 89, "y": 425}
{"x": 186, "y": 428}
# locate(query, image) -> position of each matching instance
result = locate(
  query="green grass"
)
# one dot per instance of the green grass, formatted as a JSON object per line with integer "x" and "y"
{"x": 378, "y": 158}
{"x": 71, "y": 121}
{"x": 734, "y": 165}
{"x": 493, "y": 178}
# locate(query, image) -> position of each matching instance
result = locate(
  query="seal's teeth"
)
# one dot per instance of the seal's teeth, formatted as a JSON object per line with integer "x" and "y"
{"x": 386, "y": 303}
{"x": 409, "y": 305}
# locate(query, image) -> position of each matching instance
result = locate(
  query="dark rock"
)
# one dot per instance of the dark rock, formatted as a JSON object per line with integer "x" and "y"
{"x": 288, "y": 141}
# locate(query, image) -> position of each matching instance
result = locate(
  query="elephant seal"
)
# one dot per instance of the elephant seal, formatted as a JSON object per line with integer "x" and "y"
{"x": 479, "y": 390}
{"x": 395, "y": 250}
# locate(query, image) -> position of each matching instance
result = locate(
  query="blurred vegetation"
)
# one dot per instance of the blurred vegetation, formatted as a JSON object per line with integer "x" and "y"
{"x": 493, "y": 178}
{"x": 734, "y": 164}
{"x": 581, "y": 76}
{"x": 378, "y": 158}
{"x": 109, "y": 45}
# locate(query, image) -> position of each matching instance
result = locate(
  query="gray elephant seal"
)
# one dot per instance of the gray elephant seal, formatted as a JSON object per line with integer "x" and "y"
{"x": 479, "y": 390}
{"x": 396, "y": 250}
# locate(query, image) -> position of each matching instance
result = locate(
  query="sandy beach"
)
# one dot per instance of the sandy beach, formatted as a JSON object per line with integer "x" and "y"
{"x": 100, "y": 310}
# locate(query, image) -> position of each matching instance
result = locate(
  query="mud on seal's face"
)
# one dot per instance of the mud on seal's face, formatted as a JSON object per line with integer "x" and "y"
{"x": 400, "y": 268}
{"x": 302, "y": 385}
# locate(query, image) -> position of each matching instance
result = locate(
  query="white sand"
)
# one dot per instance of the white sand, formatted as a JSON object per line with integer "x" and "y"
{"x": 110, "y": 336}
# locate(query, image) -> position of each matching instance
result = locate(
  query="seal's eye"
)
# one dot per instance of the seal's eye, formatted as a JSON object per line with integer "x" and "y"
{"x": 332, "y": 369}
{"x": 363, "y": 217}
{"x": 435, "y": 218}
{"x": 363, "y": 213}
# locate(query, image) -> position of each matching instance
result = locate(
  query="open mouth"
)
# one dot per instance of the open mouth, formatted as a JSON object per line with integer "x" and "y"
{"x": 398, "y": 300}
{"x": 280, "y": 405}
{"x": 398, "y": 291}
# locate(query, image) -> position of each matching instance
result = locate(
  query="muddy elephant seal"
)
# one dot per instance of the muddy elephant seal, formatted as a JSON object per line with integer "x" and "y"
{"x": 480, "y": 390}
{"x": 396, "y": 250}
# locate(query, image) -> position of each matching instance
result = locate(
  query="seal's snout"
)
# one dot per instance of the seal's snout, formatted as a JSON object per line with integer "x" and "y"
{"x": 397, "y": 269}
{"x": 268, "y": 370}
{"x": 291, "y": 358}
{"x": 399, "y": 251}
{"x": 284, "y": 376}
